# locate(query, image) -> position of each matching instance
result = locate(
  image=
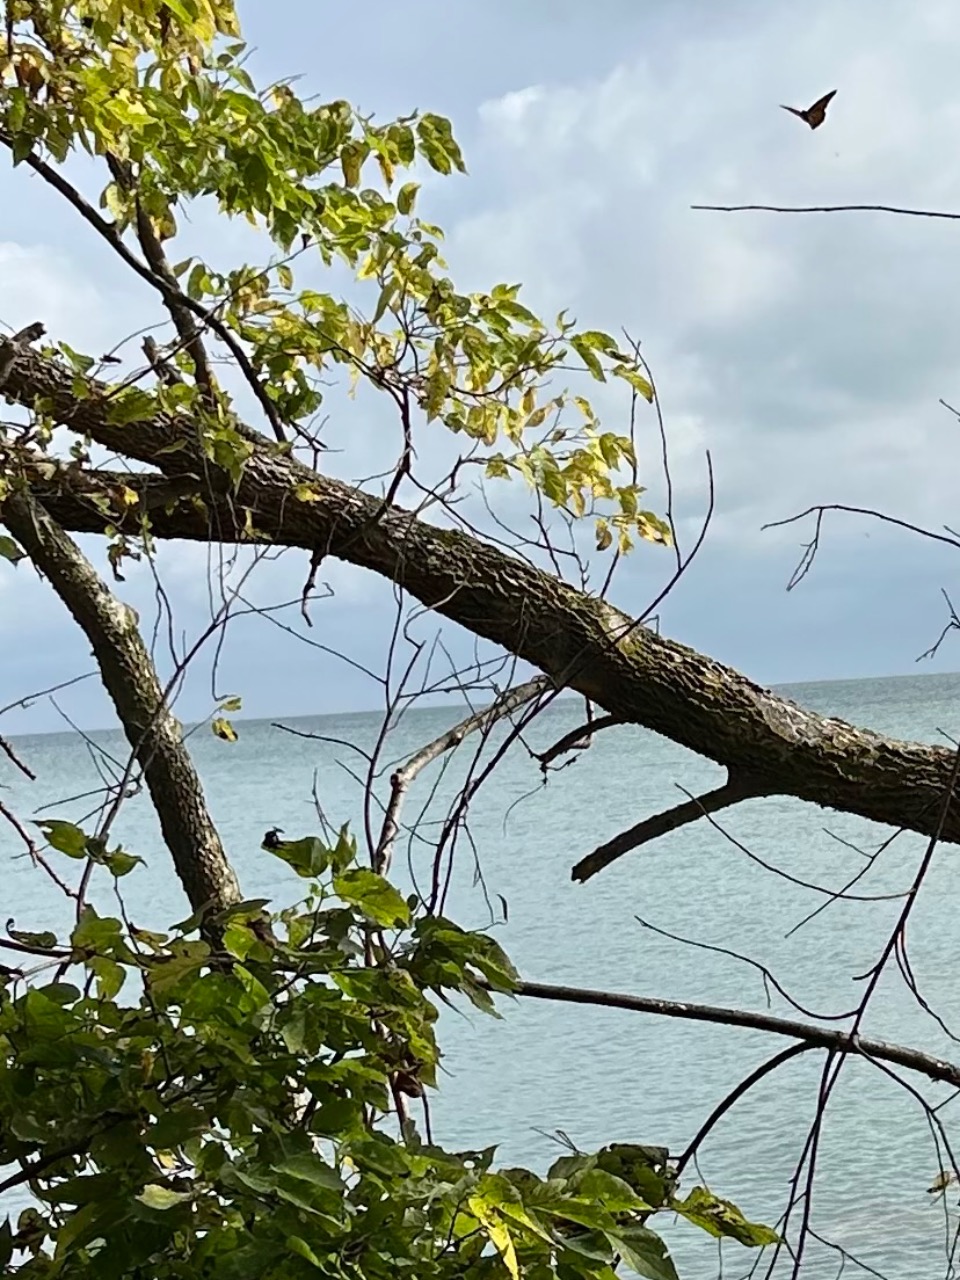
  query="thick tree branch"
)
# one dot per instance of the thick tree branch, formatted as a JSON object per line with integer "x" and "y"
{"x": 581, "y": 642}
{"x": 131, "y": 680}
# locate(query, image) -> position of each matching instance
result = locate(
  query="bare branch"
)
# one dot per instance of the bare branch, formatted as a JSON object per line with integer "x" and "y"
{"x": 400, "y": 782}
{"x": 722, "y": 1107}
{"x": 732, "y": 792}
{"x": 838, "y": 1041}
{"x": 575, "y": 740}
{"x": 12, "y": 756}
{"x": 826, "y": 208}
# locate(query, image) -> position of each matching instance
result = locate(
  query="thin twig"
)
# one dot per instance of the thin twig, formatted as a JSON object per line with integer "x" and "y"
{"x": 581, "y": 736}
{"x": 827, "y": 208}
{"x": 735, "y": 1095}
{"x": 9, "y": 752}
{"x": 170, "y": 293}
{"x": 400, "y": 781}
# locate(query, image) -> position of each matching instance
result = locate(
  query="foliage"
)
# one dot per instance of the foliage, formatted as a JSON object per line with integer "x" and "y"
{"x": 215, "y": 1100}
{"x": 161, "y": 90}
{"x": 225, "y": 1117}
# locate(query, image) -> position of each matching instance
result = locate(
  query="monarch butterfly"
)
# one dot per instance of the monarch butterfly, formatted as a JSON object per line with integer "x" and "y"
{"x": 815, "y": 115}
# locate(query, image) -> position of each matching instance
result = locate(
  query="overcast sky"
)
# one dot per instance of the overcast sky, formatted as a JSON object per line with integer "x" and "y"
{"x": 808, "y": 353}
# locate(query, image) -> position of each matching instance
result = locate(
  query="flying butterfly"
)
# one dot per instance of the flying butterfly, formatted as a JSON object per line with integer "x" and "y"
{"x": 814, "y": 116}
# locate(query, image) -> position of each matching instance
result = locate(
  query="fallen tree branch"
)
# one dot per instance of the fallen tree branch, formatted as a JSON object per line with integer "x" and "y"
{"x": 579, "y": 641}
{"x": 817, "y": 1037}
{"x": 131, "y": 680}
{"x": 732, "y": 792}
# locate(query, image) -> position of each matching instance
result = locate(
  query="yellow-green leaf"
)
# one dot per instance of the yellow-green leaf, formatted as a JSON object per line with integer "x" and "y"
{"x": 223, "y": 729}
{"x": 406, "y": 197}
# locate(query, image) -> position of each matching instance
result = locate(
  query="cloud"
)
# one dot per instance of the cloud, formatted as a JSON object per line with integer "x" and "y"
{"x": 42, "y": 282}
{"x": 808, "y": 353}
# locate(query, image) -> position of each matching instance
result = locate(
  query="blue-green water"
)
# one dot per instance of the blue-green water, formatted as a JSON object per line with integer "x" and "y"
{"x": 602, "y": 1075}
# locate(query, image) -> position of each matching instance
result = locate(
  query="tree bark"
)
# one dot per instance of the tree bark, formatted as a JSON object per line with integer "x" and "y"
{"x": 580, "y": 641}
{"x": 131, "y": 680}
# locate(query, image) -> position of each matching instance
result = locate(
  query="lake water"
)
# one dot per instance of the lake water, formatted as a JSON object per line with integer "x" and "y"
{"x": 603, "y": 1075}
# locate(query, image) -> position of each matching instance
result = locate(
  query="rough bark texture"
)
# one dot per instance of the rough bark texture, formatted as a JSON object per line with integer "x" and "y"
{"x": 131, "y": 680}
{"x": 580, "y": 641}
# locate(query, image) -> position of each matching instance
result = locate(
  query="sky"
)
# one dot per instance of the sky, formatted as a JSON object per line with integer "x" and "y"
{"x": 808, "y": 353}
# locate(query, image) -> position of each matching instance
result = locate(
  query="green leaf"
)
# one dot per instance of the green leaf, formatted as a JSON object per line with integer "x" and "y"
{"x": 312, "y": 1169}
{"x": 406, "y": 197}
{"x": 300, "y": 1247}
{"x": 120, "y": 863}
{"x": 309, "y": 857}
{"x": 643, "y": 1252}
{"x": 588, "y": 356}
{"x": 155, "y": 1196}
{"x": 610, "y": 1191}
{"x": 636, "y": 380}
{"x": 132, "y": 405}
{"x": 722, "y": 1218}
{"x": 110, "y": 976}
{"x": 10, "y": 551}
{"x": 373, "y": 895}
{"x": 45, "y": 940}
{"x": 64, "y": 837}
{"x": 79, "y": 362}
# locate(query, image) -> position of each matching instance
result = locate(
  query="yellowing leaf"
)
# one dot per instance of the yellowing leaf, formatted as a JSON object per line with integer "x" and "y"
{"x": 406, "y": 197}
{"x": 636, "y": 380}
{"x": 223, "y": 729}
{"x": 157, "y": 1197}
{"x": 497, "y": 1233}
{"x": 352, "y": 156}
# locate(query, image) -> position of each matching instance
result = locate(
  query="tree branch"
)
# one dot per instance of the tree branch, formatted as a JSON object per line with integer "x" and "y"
{"x": 131, "y": 680}
{"x": 507, "y": 702}
{"x": 172, "y": 294}
{"x": 732, "y": 792}
{"x": 579, "y": 641}
{"x": 577, "y": 739}
{"x": 826, "y": 208}
{"x": 817, "y": 1037}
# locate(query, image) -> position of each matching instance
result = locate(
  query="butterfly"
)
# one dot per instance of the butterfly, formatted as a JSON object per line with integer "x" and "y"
{"x": 815, "y": 115}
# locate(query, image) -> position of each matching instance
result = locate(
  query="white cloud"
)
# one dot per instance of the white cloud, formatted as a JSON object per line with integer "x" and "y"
{"x": 43, "y": 283}
{"x": 807, "y": 353}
